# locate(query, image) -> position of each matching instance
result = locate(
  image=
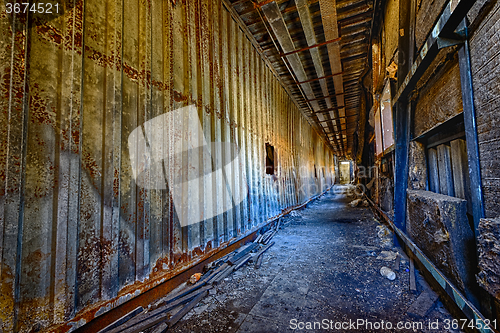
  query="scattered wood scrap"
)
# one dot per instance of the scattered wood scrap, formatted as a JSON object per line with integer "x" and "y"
{"x": 258, "y": 262}
{"x": 122, "y": 320}
{"x": 222, "y": 275}
{"x": 397, "y": 263}
{"x": 242, "y": 262}
{"x": 243, "y": 253}
{"x": 264, "y": 249}
{"x": 413, "y": 284}
{"x": 151, "y": 318}
{"x": 158, "y": 316}
{"x": 176, "y": 317}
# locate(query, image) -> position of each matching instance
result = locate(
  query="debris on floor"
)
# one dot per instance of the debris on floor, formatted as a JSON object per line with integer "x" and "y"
{"x": 326, "y": 264}
{"x": 323, "y": 265}
{"x": 385, "y": 235}
{"x": 355, "y": 203}
{"x": 165, "y": 313}
{"x": 195, "y": 278}
{"x": 423, "y": 304}
{"x": 388, "y": 273}
{"x": 387, "y": 255}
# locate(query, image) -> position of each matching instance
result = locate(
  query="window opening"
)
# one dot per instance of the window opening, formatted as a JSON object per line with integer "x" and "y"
{"x": 447, "y": 161}
{"x": 386, "y": 117}
{"x": 270, "y": 159}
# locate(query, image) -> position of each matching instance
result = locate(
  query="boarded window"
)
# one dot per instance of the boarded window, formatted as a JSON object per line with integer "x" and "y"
{"x": 270, "y": 158}
{"x": 447, "y": 161}
{"x": 386, "y": 115}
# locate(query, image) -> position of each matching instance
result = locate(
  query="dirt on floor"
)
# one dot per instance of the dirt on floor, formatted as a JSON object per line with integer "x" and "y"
{"x": 323, "y": 274}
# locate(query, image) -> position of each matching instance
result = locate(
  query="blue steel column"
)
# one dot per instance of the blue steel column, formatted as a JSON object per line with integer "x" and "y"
{"x": 471, "y": 133}
{"x": 402, "y": 115}
{"x": 402, "y": 137}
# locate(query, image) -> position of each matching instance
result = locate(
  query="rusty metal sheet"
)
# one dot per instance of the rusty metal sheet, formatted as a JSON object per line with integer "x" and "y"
{"x": 88, "y": 217}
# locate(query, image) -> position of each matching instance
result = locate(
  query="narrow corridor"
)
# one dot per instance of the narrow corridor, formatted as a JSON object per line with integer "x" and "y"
{"x": 143, "y": 143}
{"x": 324, "y": 267}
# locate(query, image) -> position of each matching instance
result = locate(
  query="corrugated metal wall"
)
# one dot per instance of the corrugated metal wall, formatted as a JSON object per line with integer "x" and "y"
{"x": 76, "y": 232}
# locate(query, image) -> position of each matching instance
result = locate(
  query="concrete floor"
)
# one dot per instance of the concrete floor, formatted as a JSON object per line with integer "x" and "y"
{"x": 322, "y": 268}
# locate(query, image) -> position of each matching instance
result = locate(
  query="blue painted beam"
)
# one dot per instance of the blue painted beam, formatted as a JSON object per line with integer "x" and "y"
{"x": 471, "y": 134}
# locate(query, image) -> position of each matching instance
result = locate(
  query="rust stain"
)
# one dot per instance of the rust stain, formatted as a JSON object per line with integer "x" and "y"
{"x": 50, "y": 33}
{"x": 40, "y": 112}
{"x": 197, "y": 251}
{"x": 7, "y": 299}
{"x": 90, "y": 164}
{"x": 179, "y": 97}
{"x": 116, "y": 183}
{"x": 166, "y": 281}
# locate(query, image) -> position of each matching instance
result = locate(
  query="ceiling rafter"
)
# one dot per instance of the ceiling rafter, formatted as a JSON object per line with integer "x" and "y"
{"x": 330, "y": 27}
{"x": 275, "y": 19}
{"x": 319, "y": 49}
{"x": 309, "y": 32}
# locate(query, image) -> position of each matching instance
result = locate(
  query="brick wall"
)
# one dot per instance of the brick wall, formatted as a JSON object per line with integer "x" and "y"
{"x": 427, "y": 13}
{"x": 485, "y": 57}
{"x": 441, "y": 97}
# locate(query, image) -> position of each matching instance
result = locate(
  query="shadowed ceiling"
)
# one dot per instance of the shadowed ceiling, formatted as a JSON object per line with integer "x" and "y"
{"x": 319, "y": 48}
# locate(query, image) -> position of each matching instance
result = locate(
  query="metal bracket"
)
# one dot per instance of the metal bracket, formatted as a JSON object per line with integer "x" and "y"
{"x": 459, "y": 36}
{"x": 447, "y": 42}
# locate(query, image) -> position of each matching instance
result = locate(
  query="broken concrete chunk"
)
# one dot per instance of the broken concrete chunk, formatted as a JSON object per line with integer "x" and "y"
{"x": 439, "y": 226}
{"x": 388, "y": 273}
{"x": 423, "y": 304}
{"x": 387, "y": 255}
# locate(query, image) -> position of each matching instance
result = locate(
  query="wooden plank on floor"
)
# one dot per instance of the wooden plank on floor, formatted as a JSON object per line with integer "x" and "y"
{"x": 259, "y": 254}
{"x": 222, "y": 275}
{"x": 217, "y": 272}
{"x": 176, "y": 317}
{"x": 243, "y": 253}
{"x": 122, "y": 320}
{"x": 149, "y": 319}
{"x": 259, "y": 261}
{"x": 242, "y": 262}
{"x": 413, "y": 284}
{"x": 397, "y": 263}
{"x": 161, "y": 328}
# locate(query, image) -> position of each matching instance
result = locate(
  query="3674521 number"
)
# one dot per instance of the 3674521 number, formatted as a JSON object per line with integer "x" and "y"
{"x": 25, "y": 7}
{"x": 477, "y": 324}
